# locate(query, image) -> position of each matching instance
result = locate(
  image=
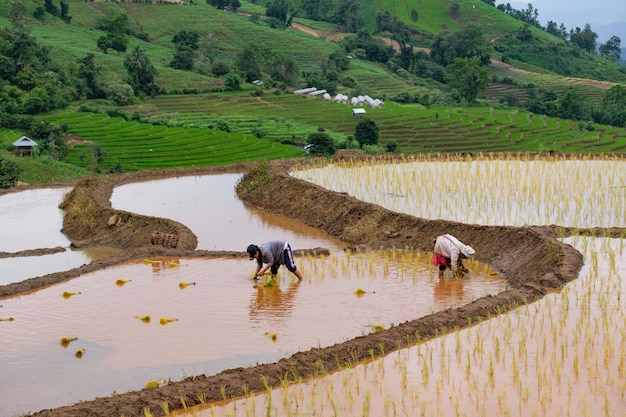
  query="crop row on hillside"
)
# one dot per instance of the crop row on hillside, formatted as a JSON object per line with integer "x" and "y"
{"x": 136, "y": 146}
{"x": 414, "y": 128}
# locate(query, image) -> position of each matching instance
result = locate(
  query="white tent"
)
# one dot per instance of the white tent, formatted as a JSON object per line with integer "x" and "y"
{"x": 305, "y": 90}
{"x": 317, "y": 93}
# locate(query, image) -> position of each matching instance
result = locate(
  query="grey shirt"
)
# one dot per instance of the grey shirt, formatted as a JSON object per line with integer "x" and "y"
{"x": 272, "y": 253}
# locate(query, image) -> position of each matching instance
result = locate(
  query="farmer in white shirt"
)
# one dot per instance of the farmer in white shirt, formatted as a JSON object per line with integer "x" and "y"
{"x": 449, "y": 252}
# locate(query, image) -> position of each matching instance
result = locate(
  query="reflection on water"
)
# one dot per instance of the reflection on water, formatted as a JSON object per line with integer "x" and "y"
{"x": 223, "y": 321}
{"x": 209, "y": 206}
{"x": 273, "y": 298}
{"x": 561, "y": 356}
{"x": 32, "y": 219}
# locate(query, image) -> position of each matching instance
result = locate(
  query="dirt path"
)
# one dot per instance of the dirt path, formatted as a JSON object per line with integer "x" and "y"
{"x": 530, "y": 258}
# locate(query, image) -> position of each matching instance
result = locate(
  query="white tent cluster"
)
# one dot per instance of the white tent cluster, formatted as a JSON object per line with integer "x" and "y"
{"x": 342, "y": 98}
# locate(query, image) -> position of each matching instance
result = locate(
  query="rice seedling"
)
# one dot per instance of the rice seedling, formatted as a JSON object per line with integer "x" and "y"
{"x": 6, "y": 319}
{"x": 522, "y": 191}
{"x": 145, "y": 318}
{"x": 154, "y": 383}
{"x": 121, "y": 282}
{"x": 68, "y": 294}
{"x": 65, "y": 341}
{"x": 166, "y": 320}
{"x": 184, "y": 285}
{"x": 79, "y": 353}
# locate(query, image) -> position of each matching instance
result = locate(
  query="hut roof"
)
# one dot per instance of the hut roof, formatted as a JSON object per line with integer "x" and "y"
{"x": 25, "y": 142}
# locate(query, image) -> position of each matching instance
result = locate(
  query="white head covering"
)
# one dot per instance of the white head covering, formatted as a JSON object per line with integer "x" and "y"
{"x": 468, "y": 251}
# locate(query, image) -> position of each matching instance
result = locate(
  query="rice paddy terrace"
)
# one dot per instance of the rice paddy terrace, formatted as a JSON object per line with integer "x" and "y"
{"x": 413, "y": 128}
{"x": 185, "y": 135}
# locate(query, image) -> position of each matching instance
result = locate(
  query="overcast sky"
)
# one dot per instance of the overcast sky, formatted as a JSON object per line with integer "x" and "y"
{"x": 575, "y": 13}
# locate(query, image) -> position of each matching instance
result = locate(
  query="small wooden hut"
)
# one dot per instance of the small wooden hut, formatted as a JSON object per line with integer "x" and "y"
{"x": 24, "y": 146}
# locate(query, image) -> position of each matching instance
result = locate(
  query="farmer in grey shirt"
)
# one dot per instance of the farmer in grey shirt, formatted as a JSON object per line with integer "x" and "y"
{"x": 274, "y": 254}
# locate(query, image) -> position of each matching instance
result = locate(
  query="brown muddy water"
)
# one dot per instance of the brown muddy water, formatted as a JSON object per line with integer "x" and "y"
{"x": 32, "y": 219}
{"x": 223, "y": 319}
{"x": 561, "y": 356}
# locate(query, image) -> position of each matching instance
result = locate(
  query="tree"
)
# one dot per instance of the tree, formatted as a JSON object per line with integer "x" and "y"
{"x": 612, "y": 48}
{"x": 350, "y": 16}
{"x": 366, "y": 132}
{"x": 414, "y": 16}
{"x": 51, "y": 139}
{"x": 323, "y": 143}
{"x": 585, "y": 39}
{"x": 183, "y": 59}
{"x": 51, "y": 8}
{"x": 246, "y": 63}
{"x": 317, "y": 9}
{"x": 573, "y": 105}
{"x": 9, "y": 173}
{"x": 468, "y": 77}
{"x": 65, "y": 13}
{"x": 464, "y": 43}
{"x": 88, "y": 71}
{"x": 104, "y": 43}
{"x": 187, "y": 43}
{"x": 231, "y": 5}
{"x": 186, "y": 39}
{"x": 141, "y": 73}
{"x": 219, "y": 68}
{"x": 95, "y": 154}
{"x": 282, "y": 10}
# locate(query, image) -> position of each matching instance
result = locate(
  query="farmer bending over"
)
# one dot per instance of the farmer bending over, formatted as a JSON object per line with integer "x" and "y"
{"x": 449, "y": 252}
{"x": 274, "y": 254}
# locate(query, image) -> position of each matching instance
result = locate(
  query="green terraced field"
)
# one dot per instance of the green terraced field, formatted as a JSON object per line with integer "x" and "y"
{"x": 137, "y": 146}
{"x": 412, "y": 127}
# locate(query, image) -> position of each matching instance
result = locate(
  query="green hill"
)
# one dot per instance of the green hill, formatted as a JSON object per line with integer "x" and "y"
{"x": 201, "y": 112}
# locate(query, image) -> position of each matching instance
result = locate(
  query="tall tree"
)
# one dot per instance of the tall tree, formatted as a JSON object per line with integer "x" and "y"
{"x": 88, "y": 71}
{"x": 468, "y": 77}
{"x": 141, "y": 73}
{"x": 414, "y": 16}
{"x": 247, "y": 64}
{"x": 366, "y": 132}
{"x": 612, "y": 48}
{"x": 349, "y": 16}
{"x": 468, "y": 42}
{"x": 585, "y": 39}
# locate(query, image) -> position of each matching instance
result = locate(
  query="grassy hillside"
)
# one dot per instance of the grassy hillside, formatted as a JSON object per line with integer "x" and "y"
{"x": 267, "y": 124}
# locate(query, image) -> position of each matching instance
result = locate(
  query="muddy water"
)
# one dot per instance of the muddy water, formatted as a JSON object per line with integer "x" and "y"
{"x": 32, "y": 219}
{"x": 561, "y": 356}
{"x": 224, "y": 320}
{"x": 209, "y": 207}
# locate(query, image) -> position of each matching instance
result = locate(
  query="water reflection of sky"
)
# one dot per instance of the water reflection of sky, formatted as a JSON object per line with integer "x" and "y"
{"x": 209, "y": 206}
{"x": 32, "y": 219}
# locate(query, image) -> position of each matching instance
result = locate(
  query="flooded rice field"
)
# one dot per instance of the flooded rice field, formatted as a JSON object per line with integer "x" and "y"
{"x": 222, "y": 318}
{"x": 561, "y": 356}
{"x": 516, "y": 192}
{"x": 32, "y": 220}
